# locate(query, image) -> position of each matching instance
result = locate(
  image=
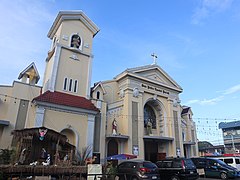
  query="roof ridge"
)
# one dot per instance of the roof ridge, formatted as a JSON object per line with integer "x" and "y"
{"x": 66, "y": 99}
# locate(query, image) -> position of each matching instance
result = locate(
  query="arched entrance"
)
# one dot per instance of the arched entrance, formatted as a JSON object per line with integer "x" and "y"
{"x": 152, "y": 116}
{"x": 112, "y": 148}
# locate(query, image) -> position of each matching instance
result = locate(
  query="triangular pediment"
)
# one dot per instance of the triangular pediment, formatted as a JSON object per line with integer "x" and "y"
{"x": 30, "y": 73}
{"x": 153, "y": 73}
{"x": 98, "y": 85}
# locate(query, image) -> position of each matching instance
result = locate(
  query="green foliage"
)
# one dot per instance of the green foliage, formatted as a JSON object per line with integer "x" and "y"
{"x": 7, "y": 156}
{"x": 111, "y": 170}
{"x": 83, "y": 155}
{"x": 1, "y": 175}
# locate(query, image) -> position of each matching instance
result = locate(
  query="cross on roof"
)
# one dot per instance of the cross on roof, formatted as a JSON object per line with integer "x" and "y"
{"x": 154, "y": 58}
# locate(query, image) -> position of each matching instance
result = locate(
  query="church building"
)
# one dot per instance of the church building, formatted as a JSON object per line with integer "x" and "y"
{"x": 137, "y": 112}
{"x": 143, "y": 115}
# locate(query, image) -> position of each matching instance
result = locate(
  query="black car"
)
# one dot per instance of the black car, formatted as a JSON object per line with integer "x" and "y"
{"x": 137, "y": 170}
{"x": 215, "y": 168}
{"x": 177, "y": 168}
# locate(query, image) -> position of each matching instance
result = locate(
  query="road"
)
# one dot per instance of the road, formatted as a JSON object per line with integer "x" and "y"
{"x": 201, "y": 178}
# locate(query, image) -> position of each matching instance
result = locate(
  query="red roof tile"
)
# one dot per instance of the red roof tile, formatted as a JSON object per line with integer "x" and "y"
{"x": 66, "y": 100}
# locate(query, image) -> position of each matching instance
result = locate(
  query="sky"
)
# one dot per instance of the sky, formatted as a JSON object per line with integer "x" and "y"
{"x": 197, "y": 43}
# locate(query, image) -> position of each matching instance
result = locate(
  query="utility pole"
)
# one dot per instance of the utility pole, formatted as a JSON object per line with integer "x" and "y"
{"x": 233, "y": 145}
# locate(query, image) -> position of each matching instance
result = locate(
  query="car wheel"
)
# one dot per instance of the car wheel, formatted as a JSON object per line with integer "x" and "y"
{"x": 223, "y": 175}
{"x": 175, "y": 178}
{"x": 120, "y": 178}
{"x": 134, "y": 178}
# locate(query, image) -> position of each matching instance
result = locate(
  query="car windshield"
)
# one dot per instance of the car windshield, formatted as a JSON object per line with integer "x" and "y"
{"x": 149, "y": 165}
{"x": 221, "y": 163}
{"x": 189, "y": 163}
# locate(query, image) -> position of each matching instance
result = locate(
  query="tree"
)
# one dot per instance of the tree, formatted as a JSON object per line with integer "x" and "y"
{"x": 83, "y": 155}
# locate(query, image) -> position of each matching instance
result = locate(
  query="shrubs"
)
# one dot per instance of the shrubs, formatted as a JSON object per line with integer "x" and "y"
{"x": 7, "y": 156}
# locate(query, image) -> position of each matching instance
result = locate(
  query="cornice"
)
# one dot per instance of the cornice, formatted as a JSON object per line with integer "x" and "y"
{"x": 72, "y": 15}
{"x": 63, "y": 108}
{"x": 125, "y": 74}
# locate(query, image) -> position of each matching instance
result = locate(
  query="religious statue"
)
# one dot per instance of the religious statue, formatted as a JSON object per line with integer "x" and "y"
{"x": 47, "y": 161}
{"x": 149, "y": 127}
{"x": 42, "y": 133}
{"x": 43, "y": 154}
{"x": 114, "y": 127}
{"x": 75, "y": 41}
{"x": 22, "y": 156}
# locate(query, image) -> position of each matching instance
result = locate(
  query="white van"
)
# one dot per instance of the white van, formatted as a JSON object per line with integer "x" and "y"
{"x": 230, "y": 160}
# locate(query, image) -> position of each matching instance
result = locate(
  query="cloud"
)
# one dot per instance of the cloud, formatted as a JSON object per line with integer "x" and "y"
{"x": 208, "y": 8}
{"x": 232, "y": 90}
{"x": 24, "y": 26}
{"x": 212, "y": 101}
{"x": 190, "y": 46}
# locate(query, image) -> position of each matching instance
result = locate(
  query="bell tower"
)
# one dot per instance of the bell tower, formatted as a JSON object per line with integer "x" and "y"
{"x": 69, "y": 61}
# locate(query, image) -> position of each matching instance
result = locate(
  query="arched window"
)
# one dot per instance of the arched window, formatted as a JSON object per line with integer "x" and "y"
{"x": 70, "y": 85}
{"x": 65, "y": 84}
{"x": 149, "y": 115}
{"x": 98, "y": 95}
{"x": 75, "y": 41}
{"x": 75, "y": 86}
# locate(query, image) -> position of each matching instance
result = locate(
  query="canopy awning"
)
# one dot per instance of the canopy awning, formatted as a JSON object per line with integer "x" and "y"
{"x": 158, "y": 138}
{"x": 121, "y": 157}
{"x": 189, "y": 143}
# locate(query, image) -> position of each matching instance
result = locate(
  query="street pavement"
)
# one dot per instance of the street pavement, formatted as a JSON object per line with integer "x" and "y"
{"x": 202, "y": 178}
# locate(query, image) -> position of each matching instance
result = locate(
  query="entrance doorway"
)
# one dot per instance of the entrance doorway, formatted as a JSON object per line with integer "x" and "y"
{"x": 151, "y": 150}
{"x": 112, "y": 148}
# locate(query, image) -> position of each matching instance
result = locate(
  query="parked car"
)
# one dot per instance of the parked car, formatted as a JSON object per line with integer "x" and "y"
{"x": 137, "y": 170}
{"x": 215, "y": 168}
{"x": 177, "y": 168}
{"x": 230, "y": 160}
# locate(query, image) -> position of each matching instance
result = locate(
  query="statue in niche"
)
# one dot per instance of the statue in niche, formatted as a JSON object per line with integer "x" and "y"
{"x": 149, "y": 127}
{"x": 114, "y": 127}
{"x": 76, "y": 41}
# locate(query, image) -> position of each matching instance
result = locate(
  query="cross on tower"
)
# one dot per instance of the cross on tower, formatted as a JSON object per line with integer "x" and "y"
{"x": 154, "y": 58}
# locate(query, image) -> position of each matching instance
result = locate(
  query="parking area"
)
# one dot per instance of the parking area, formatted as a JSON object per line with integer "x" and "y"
{"x": 202, "y": 178}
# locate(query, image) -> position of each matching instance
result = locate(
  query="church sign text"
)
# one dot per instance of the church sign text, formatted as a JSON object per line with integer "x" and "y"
{"x": 155, "y": 89}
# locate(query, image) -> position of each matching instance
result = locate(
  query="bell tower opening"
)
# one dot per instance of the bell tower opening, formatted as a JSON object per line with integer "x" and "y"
{"x": 75, "y": 41}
